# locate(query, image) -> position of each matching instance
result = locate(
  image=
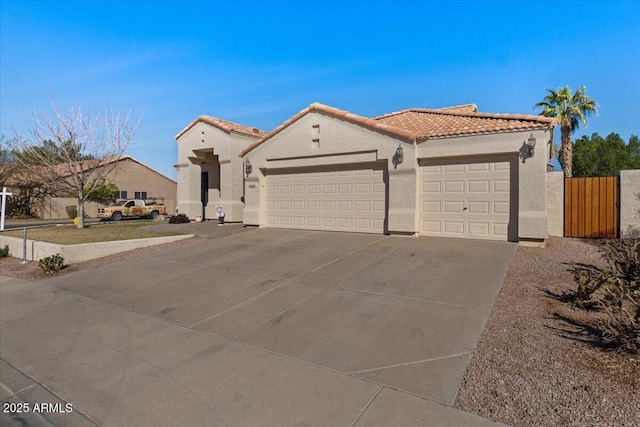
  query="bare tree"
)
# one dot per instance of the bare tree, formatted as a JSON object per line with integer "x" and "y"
{"x": 71, "y": 153}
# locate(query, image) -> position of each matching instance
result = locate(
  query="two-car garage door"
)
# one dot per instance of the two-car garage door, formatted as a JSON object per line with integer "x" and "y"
{"x": 469, "y": 198}
{"x": 333, "y": 199}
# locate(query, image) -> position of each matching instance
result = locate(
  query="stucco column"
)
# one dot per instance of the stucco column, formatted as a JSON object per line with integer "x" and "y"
{"x": 232, "y": 206}
{"x": 189, "y": 190}
{"x": 252, "y": 195}
{"x": 532, "y": 215}
{"x": 402, "y": 193}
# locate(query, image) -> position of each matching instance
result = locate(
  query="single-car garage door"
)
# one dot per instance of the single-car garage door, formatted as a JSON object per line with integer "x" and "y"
{"x": 336, "y": 199}
{"x": 469, "y": 198}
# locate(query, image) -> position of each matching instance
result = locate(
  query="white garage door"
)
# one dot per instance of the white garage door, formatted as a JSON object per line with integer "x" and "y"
{"x": 468, "y": 199}
{"x": 335, "y": 200}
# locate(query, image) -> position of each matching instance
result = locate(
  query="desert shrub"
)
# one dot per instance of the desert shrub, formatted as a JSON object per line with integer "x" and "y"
{"x": 615, "y": 291}
{"x": 4, "y": 252}
{"x": 51, "y": 264}
{"x": 179, "y": 219}
{"x": 72, "y": 211}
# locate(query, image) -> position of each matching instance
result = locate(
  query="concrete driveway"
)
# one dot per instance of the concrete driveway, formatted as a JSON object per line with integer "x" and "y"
{"x": 259, "y": 328}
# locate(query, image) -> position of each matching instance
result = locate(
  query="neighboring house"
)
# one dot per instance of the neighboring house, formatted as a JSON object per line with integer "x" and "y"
{"x": 133, "y": 178}
{"x": 210, "y": 171}
{"x": 452, "y": 172}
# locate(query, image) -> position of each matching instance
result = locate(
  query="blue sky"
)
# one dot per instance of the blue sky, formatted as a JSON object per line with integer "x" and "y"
{"x": 258, "y": 63}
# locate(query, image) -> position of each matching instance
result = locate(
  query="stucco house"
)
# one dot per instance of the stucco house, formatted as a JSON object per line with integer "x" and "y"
{"x": 451, "y": 172}
{"x": 133, "y": 178}
{"x": 209, "y": 168}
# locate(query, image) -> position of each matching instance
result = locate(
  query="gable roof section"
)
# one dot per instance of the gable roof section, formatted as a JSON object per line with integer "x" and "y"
{"x": 66, "y": 169}
{"x": 225, "y": 126}
{"x": 461, "y": 120}
{"x": 341, "y": 114}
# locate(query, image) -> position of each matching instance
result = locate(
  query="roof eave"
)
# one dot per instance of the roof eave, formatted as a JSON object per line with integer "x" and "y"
{"x": 335, "y": 112}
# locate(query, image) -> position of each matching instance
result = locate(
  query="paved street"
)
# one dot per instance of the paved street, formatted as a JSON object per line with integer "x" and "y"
{"x": 261, "y": 327}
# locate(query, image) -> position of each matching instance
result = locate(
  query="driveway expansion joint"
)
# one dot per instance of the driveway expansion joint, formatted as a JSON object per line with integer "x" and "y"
{"x": 382, "y": 294}
{"x": 398, "y": 365}
{"x": 363, "y": 410}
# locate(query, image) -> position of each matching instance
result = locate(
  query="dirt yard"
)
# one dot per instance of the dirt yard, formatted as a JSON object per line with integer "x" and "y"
{"x": 535, "y": 365}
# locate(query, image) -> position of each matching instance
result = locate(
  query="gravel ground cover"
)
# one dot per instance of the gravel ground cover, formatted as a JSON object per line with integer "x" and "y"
{"x": 535, "y": 365}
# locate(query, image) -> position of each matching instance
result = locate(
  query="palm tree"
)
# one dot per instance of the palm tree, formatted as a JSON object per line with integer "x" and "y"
{"x": 571, "y": 111}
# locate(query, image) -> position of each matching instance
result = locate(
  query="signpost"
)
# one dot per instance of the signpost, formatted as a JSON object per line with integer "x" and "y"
{"x": 4, "y": 195}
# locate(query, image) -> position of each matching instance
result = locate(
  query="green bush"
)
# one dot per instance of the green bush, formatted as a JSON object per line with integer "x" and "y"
{"x": 51, "y": 264}
{"x": 4, "y": 252}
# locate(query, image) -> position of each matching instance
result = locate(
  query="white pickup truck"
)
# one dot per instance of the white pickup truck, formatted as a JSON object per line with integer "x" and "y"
{"x": 135, "y": 208}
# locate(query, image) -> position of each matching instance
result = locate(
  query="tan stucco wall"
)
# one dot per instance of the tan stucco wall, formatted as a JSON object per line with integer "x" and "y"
{"x": 340, "y": 142}
{"x": 530, "y": 174}
{"x": 345, "y": 142}
{"x": 555, "y": 203}
{"x": 629, "y": 201}
{"x": 131, "y": 176}
{"x": 56, "y": 207}
{"x": 222, "y": 162}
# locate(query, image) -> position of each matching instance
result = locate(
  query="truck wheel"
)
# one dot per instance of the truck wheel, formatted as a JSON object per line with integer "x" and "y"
{"x": 154, "y": 214}
{"x": 117, "y": 216}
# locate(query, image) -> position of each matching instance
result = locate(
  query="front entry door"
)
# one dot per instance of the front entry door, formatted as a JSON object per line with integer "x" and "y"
{"x": 204, "y": 191}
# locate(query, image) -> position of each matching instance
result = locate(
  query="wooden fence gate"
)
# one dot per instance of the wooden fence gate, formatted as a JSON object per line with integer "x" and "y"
{"x": 591, "y": 207}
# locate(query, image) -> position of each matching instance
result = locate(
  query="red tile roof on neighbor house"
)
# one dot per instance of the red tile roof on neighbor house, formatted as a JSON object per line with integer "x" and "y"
{"x": 225, "y": 126}
{"x": 419, "y": 124}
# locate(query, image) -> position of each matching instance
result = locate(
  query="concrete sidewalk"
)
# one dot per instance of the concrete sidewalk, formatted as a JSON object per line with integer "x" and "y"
{"x": 265, "y": 327}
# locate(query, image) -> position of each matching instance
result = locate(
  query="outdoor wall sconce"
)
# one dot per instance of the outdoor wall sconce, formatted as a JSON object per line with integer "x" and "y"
{"x": 531, "y": 144}
{"x": 248, "y": 168}
{"x": 398, "y": 157}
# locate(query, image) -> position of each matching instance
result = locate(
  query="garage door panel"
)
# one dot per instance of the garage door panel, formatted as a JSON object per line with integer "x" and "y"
{"x": 477, "y": 167}
{"x": 453, "y": 207}
{"x": 500, "y": 229}
{"x": 329, "y": 205}
{"x": 454, "y": 227}
{"x": 453, "y": 168}
{"x": 431, "y": 187}
{"x": 345, "y": 205}
{"x": 345, "y": 188}
{"x": 501, "y": 186}
{"x": 431, "y": 226}
{"x": 478, "y": 228}
{"x": 479, "y": 208}
{"x": 454, "y": 186}
{"x": 378, "y": 206}
{"x": 479, "y": 186}
{"x": 342, "y": 199}
{"x": 469, "y": 199}
{"x": 501, "y": 207}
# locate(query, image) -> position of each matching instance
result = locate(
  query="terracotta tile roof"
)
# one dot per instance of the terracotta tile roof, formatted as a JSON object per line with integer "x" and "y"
{"x": 345, "y": 115}
{"x": 427, "y": 123}
{"x": 466, "y": 108}
{"x": 225, "y": 126}
{"x": 420, "y": 124}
